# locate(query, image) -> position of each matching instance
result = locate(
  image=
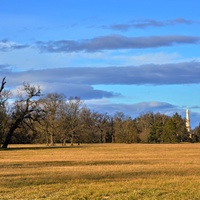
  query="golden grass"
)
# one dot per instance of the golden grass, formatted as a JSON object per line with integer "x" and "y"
{"x": 101, "y": 171}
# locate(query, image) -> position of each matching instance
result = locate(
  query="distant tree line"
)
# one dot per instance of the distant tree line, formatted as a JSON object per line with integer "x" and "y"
{"x": 52, "y": 119}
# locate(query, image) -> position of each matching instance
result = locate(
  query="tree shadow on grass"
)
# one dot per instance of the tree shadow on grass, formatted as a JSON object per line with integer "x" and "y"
{"x": 13, "y": 148}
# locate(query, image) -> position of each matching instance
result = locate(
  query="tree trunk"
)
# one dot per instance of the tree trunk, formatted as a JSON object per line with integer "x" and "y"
{"x": 72, "y": 139}
{"x": 113, "y": 138}
{"x": 11, "y": 131}
{"x": 9, "y": 136}
{"x": 7, "y": 141}
{"x": 64, "y": 142}
{"x": 52, "y": 139}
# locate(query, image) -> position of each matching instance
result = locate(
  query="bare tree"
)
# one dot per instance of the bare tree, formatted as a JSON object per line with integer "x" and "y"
{"x": 71, "y": 119}
{"x": 53, "y": 104}
{"x": 4, "y": 94}
{"x": 26, "y": 107}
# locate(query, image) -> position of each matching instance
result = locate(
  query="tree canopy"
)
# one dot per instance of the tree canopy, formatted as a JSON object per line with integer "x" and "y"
{"x": 53, "y": 119}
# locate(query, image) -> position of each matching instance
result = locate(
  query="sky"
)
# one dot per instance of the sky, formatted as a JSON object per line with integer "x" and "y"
{"x": 130, "y": 56}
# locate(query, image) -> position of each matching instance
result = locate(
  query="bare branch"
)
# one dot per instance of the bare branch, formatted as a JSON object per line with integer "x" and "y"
{"x": 3, "y": 84}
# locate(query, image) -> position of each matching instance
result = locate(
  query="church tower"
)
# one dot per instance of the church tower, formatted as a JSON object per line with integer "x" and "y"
{"x": 187, "y": 121}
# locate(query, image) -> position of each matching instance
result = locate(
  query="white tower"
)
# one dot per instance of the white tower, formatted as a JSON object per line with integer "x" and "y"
{"x": 187, "y": 122}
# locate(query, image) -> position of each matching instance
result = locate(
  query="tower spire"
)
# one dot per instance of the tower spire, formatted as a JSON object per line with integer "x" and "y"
{"x": 187, "y": 122}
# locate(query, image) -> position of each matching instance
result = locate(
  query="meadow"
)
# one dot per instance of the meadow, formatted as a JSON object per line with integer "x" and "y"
{"x": 101, "y": 171}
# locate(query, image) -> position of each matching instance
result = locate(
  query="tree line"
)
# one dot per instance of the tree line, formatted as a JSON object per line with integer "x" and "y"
{"x": 51, "y": 119}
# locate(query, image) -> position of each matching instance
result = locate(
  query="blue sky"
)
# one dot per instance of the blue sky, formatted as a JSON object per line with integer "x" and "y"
{"x": 116, "y": 55}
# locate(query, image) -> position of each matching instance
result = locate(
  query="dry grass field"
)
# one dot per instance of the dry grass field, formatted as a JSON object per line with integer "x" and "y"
{"x": 101, "y": 171}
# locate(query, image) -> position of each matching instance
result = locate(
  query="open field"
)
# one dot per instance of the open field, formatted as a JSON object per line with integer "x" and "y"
{"x": 101, "y": 171}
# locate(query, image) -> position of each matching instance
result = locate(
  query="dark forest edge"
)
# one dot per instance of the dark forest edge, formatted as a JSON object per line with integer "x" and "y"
{"x": 52, "y": 119}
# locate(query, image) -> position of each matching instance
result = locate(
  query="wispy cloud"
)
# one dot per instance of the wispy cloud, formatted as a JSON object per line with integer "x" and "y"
{"x": 80, "y": 81}
{"x": 155, "y": 74}
{"x": 141, "y": 24}
{"x": 132, "y": 109}
{"x": 6, "y": 45}
{"x": 4, "y": 68}
{"x": 81, "y": 90}
{"x": 114, "y": 42}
